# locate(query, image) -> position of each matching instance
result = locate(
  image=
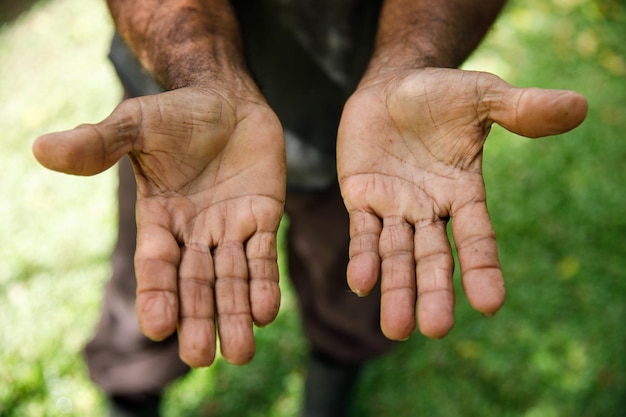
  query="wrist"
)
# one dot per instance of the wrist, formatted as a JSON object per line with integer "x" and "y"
{"x": 198, "y": 61}
{"x": 430, "y": 33}
{"x": 388, "y": 62}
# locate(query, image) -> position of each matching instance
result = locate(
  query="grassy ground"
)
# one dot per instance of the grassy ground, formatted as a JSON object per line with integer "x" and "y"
{"x": 558, "y": 347}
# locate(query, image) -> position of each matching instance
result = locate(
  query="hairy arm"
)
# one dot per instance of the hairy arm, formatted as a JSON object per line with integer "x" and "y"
{"x": 182, "y": 42}
{"x": 430, "y": 33}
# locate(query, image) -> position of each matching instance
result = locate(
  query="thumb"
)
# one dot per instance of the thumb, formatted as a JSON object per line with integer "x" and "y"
{"x": 534, "y": 112}
{"x": 86, "y": 150}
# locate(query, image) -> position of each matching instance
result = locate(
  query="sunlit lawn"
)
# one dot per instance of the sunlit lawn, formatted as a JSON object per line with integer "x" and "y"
{"x": 558, "y": 347}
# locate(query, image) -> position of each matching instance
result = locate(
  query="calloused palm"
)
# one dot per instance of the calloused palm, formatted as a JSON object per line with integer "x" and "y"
{"x": 210, "y": 172}
{"x": 409, "y": 158}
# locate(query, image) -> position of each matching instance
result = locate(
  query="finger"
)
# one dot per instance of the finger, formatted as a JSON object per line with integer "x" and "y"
{"x": 364, "y": 263}
{"x": 435, "y": 291}
{"x": 534, "y": 112}
{"x": 90, "y": 148}
{"x": 156, "y": 267}
{"x": 398, "y": 292}
{"x": 234, "y": 317}
{"x": 263, "y": 272}
{"x": 478, "y": 257}
{"x": 196, "y": 326}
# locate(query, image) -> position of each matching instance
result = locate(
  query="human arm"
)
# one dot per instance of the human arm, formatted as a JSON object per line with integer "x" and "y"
{"x": 410, "y": 158}
{"x": 209, "y": 163}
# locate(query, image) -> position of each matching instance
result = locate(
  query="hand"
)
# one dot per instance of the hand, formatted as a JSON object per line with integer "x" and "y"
{"x": 409, "y": 157}
{"x": 210, "y": 173}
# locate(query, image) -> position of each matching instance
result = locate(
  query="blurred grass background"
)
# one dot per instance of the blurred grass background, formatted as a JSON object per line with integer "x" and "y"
{"x": 557, "y": 348}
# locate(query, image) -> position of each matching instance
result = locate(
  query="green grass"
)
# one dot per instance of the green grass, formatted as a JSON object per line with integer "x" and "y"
{"x": 557, "y": 348}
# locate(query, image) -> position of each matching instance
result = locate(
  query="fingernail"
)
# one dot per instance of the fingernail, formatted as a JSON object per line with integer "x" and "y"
{"x": 488, "y": 315}
{"x": 360, "y": 293}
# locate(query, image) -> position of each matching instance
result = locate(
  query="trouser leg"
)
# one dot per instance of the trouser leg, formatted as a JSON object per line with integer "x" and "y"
{"x": 343, "y": 329}
{"x": 121, "y": 360}
{"x": 337, "y": 323}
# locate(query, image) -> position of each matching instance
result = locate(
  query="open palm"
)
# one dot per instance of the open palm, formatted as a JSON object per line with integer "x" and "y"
{"x": 210, "y": 176}
{"x": 409, "y": 158}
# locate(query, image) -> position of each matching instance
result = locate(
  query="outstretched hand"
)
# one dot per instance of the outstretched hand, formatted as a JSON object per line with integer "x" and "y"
{"x": 210, "y": 176}
{"x": 409, "y": 157}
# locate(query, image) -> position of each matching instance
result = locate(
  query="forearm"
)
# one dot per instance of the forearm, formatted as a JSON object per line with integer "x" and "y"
{"x": 436, "y": 33}
{"x": 183, "y": 42}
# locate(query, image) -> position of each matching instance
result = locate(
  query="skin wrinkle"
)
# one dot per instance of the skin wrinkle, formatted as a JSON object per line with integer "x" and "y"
{"x": 364, "y": 233}
{"x": 400, "y": 123}
{"x": 225, "y": 200}
{"x": 126, "y": 133}
{"x": 392, "y": 155}
{"x": 430, "y": 111}
{"x": 218, "y": 180}
{"x": 482, "y": 115}
{"x": 369, "y": 236}
{"x": 422, "y": 149}
{"x": 265, "y": 277}
{"x": 172, "y": 259}
{"x": 391, "y": 290}
{"x": 184, "y": 210}
{"x": 421, "y": 293}
{"x": 481, "y": 268}
{"x": 149, "y": 297}
{"x": 516, "y": 107}
{"x": 194, "y": 310}
{"x": 267, "y": 262}
{"x": 474, "y": 239}
{"x": 263, "y": 269}
{"x": 236, "y": 309}
{"x": 365, "y": 252}
{"x": 103, "y": 148}
{"x": 229, "y": 245}
{"x": 234, "y": 314}
{"x": 138, "y": 137}
{"x": 146, "y": 291}
{"x": 177, "y": 157}
{"x": 199, "y": 287}
{"x": 435, "y": 219}
{"x": 197, "y": 247}
{"x": 165, "y": 186}
{"x": 419, "y": 186}
{"x": 392, "y": 237}
{"x": 473, "y": 201}
{"x": 430, "y": 255}
{"x": 245, "y": 311}
{"x": 366, "y": 211}
{"x": 436, "y": 126}
{"x": 465, "y": 206}
{"x": 159, "y": 106}
{"x": 396, "y": 253}
{"x": 202, "y": 282}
